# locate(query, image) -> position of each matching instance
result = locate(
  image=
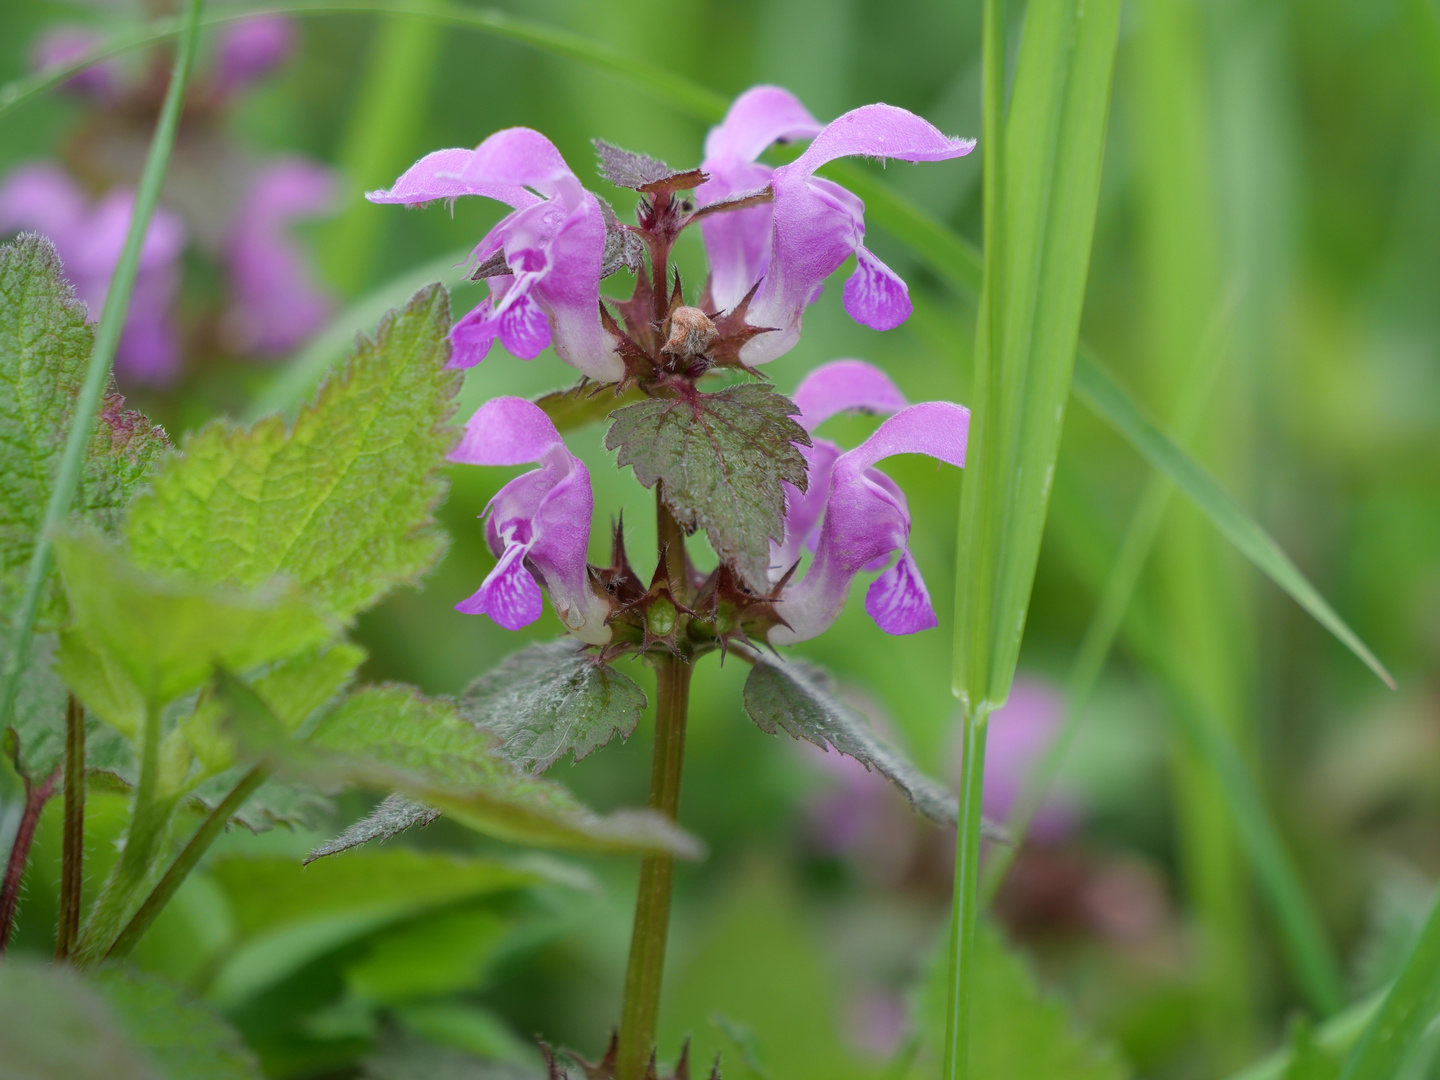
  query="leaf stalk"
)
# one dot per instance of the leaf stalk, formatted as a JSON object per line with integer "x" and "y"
{"x": 72, "y": 859}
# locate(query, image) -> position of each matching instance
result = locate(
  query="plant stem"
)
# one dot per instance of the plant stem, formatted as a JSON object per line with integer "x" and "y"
{"x": 148, "y": 820}
{"x": 213, "y": 825}
{"x": 102, "y": 357}
{"x": 72, "y": 860}
{"x": 35, "y": 800}
{"x": 641, "y": 1008}
{"x": 967, "y": 900}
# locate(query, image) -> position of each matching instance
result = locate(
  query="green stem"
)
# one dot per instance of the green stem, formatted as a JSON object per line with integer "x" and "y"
{"x": 102, "y": 357}
{"x": 148, "y": 820}
{"x": 967, "y": 901}
{"x": 640, "y": 1011}
{"x": 213, "y": 825}
{"x": 72, "y": 859}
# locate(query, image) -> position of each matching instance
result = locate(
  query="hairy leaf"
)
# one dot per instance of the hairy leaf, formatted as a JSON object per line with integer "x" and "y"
{"x": 37, "y": 726}
{"x": 44, "y": 348}
{"x": 161, "y": 639}
{"x": 393, "y": 816}
{"x": 186, "y": 1038}
{"x": 623, "y": 247}
{"x": 722, "y": 458}
{"x": 390, "y": 738}
{"x": 583, "y": 405}
{"x": 276, "y": 803}
{"x": 1017, "y": 1032}
{"x": 55, "y": 1027}
{"x": 800, "y": 698}
{"x": 342, "y": 501}
{"x": 640, "y": 172}
{"x": 550, "y": 700}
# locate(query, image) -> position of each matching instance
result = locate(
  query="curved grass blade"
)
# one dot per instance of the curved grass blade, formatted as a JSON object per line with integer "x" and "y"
{"x": 1407, "y": 1012}
{"x": 950, "y": 255}
{"x": 102, "y": 358}
{"x": 1336, "y": 1035}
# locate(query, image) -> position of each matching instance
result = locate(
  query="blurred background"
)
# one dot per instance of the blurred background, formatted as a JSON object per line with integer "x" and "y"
{"x": 1272, "y": 168}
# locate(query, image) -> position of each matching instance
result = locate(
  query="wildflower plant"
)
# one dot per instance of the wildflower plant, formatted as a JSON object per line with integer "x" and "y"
{"x": 691, "y": 414}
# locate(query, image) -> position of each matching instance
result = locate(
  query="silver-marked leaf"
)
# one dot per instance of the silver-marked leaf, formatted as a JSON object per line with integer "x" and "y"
{"x": 390, "y": 738}
{"x": 640, "y": 172}
{"x": 549, "y": 700}
{"x": 391, "y": 818}
{"x": 800, "y": 697}
{"x": 722, "y": 458}
{"x": 623, "y": 247}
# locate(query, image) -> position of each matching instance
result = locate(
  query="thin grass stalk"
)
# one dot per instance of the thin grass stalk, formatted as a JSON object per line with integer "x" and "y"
{"x": 976, "y": 599}
{"x": 72, "y": 856}
{"x": 102, "y": 358}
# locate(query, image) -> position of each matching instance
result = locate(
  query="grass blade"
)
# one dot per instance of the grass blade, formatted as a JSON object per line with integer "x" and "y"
{"x": 107, "y": 338}
{"x": 1041, "y": 188}
{"x": 1405, "y": 1014}
{"x": 1337, "y": 1035}
{"x": 952, "y": 257}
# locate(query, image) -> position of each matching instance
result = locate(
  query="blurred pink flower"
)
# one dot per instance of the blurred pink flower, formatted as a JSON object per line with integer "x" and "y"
{"x": 89, "y": 238}
{"x": 275, "y": 303}
{"x": 61, "y": 45}
{"x": 1019, "y": 733}
{"x": 249, "y": 50}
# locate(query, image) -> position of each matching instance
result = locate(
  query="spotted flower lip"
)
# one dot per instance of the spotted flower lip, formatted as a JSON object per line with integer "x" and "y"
{"x": 790, "y": 246}
{"x": 552, "y": 246}
{"x": 863, "y": 515}
{"x": 536, "y": 525}
{"x": 89, "y": 238}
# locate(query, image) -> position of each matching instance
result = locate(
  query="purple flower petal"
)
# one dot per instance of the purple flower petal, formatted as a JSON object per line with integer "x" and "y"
{"x": 1020, "y": 731}
{"x": 844, "y": 385}
{"x": 509, "y": 594}
{"x": 62, "y": 45}
{"x": 875, "y": 295}
{"x": 898, "y": 600}
{"x": 275, "y": 301}
{"x": 866, "y": 518}
{"x": 89, "y": 240}
{"x": 472, "y": 335}
{"x": 251, "y": 49}
{"x": 438, "y": 175}
{"x": 817, "y": 225}
{"x": 554, "y": 246}
{"x": 760, "y": 116}
{"x": 541, "y": 517}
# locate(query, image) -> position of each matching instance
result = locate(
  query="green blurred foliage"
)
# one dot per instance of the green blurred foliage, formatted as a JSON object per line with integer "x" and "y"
{"x": 1322, "y": 134}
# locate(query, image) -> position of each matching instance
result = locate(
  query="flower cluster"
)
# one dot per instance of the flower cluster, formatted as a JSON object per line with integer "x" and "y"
{"x": 773, "y": 235}
{"x": 219, "y": 201}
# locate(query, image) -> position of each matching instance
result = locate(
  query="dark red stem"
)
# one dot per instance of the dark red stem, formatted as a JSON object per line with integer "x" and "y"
{"x": 35, "y": 800}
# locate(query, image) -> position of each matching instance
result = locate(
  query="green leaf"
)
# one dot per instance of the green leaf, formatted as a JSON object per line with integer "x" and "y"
{"x": 390, "y": 738}
{"x": 55, "y": 1027}
{"x": 287, "y": 915}
{"x": 1406, "y": 1013}
{"x": 37, "y": 745}
{"x": 163, "y": 638}
{"x": 408, "y": 1057}
{"x": 393, "y": 816}
{"x": 44, "y": 348}
{"x": 800, "y": 697}
{"x": 1308, "y": 1059}
{"x": 722, "y": 458}
{"x": 186, "y": 1038}
{"x": 441, "y": 954}
{"x": 114, "y": 1025}
{"x": 550, "y": 700}
{"x": 579, "y": 405}
{"x": 1018, "y": 1032}
{"x": 342, "y": 501}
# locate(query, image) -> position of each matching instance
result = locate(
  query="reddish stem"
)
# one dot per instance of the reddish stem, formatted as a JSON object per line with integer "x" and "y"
{"x": 35, "y": 800}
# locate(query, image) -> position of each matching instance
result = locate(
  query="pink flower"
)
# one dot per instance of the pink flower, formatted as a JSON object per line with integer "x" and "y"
{"x": 793, "y": 244}
{"x": 546, "y": 285}
{"x": 863, "y": 516}
{"x": 537, "y": 525}
{"x": 275, "y": 303}
{"x": 62, "y": 45}
{"x": 249, "y": 50}
{"x": 89, "y": 239}
{"x": 1018, "y": 735}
